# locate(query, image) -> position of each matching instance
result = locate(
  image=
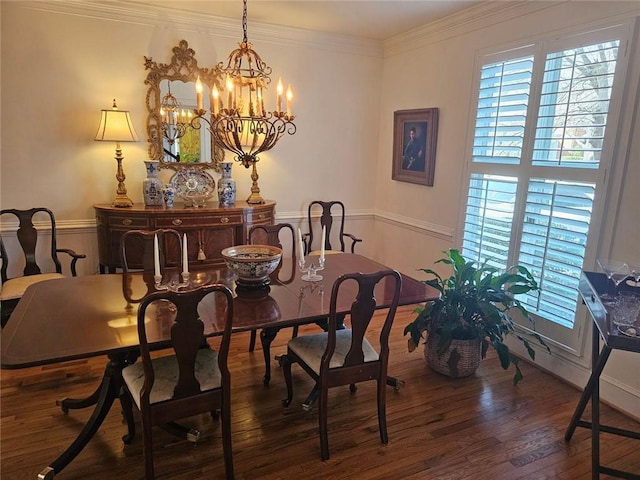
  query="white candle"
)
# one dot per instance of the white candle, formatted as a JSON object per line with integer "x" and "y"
{"x": 199, "y": 93}
{"x": 300, "y": 245}
{"x": 289, "y": 98}
{"x": 185, "y": 259}
{"x": 279, "y": 95}
{"x": 156, "y": 257}
{"x": 324, "y": 234}
{"x": 216, "y": 99}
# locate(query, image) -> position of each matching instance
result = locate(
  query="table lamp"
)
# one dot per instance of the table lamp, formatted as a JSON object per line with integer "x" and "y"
{"x": 116, "y": 126}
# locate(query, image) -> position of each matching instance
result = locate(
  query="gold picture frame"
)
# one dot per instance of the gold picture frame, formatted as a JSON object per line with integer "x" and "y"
{"x": 415, "y": 135}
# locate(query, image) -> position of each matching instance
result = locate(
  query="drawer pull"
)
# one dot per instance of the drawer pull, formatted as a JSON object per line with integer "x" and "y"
{"x": 224, "y": 220}
{"x": 176, "y": 221}
{"x": 126, "y": 221}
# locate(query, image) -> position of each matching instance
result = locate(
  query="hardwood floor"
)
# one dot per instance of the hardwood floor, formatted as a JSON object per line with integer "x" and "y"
{"x": 476, "y": 428}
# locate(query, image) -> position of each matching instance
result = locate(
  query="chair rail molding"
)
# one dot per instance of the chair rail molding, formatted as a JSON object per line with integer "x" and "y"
{"x": 425, "y": 228}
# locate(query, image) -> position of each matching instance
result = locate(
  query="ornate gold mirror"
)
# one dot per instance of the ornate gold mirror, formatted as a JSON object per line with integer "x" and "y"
{"x": 170, "y": 101}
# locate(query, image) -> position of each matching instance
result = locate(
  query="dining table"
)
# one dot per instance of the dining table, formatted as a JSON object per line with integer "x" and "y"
{"x": 87, "y": 316}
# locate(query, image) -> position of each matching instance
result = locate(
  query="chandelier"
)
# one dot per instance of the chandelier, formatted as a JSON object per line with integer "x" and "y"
{"x": 175, "y": 120}
{"x": 239, "y": 121}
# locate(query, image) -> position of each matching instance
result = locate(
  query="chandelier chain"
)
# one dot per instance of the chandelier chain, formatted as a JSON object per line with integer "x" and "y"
{"x": 244, "y": 20}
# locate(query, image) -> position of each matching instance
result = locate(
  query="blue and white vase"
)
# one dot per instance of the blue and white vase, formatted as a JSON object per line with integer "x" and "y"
{"x": 152, "y": 185}
{"x": 169, "y": 194}
{"x": 226, "y": 186}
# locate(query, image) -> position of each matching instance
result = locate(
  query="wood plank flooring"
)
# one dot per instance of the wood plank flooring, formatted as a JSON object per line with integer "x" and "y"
{"x": 476, "y": 428}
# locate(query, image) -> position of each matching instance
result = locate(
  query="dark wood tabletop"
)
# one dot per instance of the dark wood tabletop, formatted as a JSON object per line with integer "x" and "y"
{"x": 85, "y": 316}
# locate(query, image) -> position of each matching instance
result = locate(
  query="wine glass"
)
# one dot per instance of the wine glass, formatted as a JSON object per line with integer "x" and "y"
{"x": 616, "y": 271}
{"x": 635, "y": 273}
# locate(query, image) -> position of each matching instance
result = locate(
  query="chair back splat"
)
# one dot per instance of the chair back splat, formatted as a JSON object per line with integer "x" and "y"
{"x": 192, "y": 380}
{"x": 330, "y": 211}
{"x": 345, "y": 356}
{"x": 136, "y": 249}
{"x": 35, "y": 266}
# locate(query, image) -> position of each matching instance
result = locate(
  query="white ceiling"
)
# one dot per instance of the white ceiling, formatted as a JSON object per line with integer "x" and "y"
{"x": 374, "y": 19}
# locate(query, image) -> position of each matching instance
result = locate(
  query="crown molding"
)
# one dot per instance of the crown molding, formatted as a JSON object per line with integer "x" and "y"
{"x": 146, "y": 14}
{"x": 483, "y": 15}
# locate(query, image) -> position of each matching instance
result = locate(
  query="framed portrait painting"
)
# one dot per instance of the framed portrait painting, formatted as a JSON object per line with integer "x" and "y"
{"x": 414, "y": 145}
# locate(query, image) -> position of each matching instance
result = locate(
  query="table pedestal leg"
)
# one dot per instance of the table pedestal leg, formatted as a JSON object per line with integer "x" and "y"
{"x": 110, "y": 389}
{"x": 267, "y": 335}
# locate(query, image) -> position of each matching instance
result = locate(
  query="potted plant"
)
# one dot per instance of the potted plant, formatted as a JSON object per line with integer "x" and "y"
{"x": 471, "y": 314}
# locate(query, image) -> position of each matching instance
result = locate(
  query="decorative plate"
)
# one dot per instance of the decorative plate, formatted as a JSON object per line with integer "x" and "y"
{"x": 193, "y": 185}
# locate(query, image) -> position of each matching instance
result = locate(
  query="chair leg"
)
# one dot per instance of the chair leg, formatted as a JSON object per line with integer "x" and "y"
{"x": 295, "y": 332}
{"x": 322, "y": 417}
{"x": 147, "y": 447}
{"x": 285, "y": 361}
{"x": 353, "y": 387}
{"x": 126, "y": 402}
{"x": 226, "y": 440}
{"x": 307, "y": 405}
{"x": 252, "y": 342}
{"x": 382, "y": 410}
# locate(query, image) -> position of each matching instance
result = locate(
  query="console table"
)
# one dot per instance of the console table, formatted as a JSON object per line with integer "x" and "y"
{"x": 209, "y": 229}
{"x": 591, "y": 286}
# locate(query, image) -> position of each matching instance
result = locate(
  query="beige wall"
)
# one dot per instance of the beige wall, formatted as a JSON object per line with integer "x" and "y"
{"x": 62, "y": 63}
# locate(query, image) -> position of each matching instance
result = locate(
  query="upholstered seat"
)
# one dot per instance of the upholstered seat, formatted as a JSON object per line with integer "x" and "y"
{"x": 166, "y": 376}
{"x": 311, "y": 348}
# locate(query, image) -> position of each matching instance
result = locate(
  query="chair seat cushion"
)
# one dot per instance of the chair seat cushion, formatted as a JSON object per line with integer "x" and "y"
{"x": 166, "y": 375}
{"x": 15, "y": 287}
{"x": 310, "y": 349}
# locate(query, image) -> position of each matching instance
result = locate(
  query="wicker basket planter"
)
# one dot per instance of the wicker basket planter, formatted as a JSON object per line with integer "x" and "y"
{"x": 461, "y": 359}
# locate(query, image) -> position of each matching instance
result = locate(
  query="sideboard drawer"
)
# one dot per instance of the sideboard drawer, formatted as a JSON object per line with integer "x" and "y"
{"x": 130, "y": 222}
{"x": 184, "y": 221}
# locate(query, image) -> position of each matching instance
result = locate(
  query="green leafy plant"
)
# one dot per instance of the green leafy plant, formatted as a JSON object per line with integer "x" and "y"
{"x": 475, "y": 302}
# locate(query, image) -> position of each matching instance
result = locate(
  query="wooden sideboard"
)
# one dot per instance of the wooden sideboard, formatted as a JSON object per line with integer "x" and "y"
{"x": 209, "y": 229}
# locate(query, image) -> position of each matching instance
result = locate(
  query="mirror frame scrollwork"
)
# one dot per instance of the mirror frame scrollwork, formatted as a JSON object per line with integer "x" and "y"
{"x": 183, "y": 67}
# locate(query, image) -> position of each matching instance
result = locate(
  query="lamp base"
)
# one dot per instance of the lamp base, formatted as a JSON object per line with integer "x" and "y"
{"x": 255, "y": 199}
{"x": 122, "y": 201}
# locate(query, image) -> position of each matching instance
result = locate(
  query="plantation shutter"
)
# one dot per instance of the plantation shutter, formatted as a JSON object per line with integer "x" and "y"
{"x": 530, "y": 200}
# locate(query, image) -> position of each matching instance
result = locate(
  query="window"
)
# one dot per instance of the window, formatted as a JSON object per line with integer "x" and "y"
{"x": 539, "y": 160}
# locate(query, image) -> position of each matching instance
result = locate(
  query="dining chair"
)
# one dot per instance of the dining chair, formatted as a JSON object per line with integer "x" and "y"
{"x": 345, "y": 357}
{"x": 190, "y": 381}
{"x": 37, "y": 263}
{"x": 136, "y": 249}
{"x": 330, "y": 211}
{"x": 271, "y": 235}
